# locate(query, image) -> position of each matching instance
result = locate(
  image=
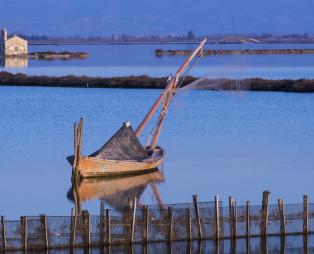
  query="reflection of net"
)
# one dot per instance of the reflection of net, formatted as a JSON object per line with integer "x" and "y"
{"x": 172, "y": 222}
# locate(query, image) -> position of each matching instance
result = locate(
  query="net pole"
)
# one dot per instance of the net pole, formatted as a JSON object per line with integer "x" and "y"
{"x": 146, "y": 223}
{"x": 189, "y": 223}
{"x": 43, "y": 222}
{"x": 265, "y": 205}
{"x": 305, "y": 215}
{"x": 170, "y": 216}
{"x": 102, "y": 223}
{"x": 282, "y": 217}
{"x": 217, "y": 216}
{"x": 133, "y": 219}
{"x": 231, "y": 216}
{"x": 3, "y": 233}
{"x": 23, "y": 221}
{"x": 86, "y": 226}
{"x": 198, "y": 217}
{"x": 247, "y": 221}
{"x": 235, "y": 219}
{"x": 108, "y": 226}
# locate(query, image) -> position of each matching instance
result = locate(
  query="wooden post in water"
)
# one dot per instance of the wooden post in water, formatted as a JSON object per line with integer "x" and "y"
{"x": 133, "y": 219}
{"x": 198, "y": 216}
{"x": 265, "y": 205}
{"x": 235, "y": 219}
{"x": 23, "y": 220}
{"x": 231, "y": 216}
{"x": 170, "y": 216}
{"x": 75, "y": 150}
{"x": 73, "y": 227}
{"x": 217, "y": 216}
{"x": 247, "y": 221}
{"x": 102, "y": 223}
{"x": 305, "y": 215}
{"x": 3, "y": 234}
{"x": 108, "y": 226}
{"x": 145, "y": 223}
{"x": 43, "y": 223}
{"x": 188, "y": 223}
{"x": 87, "y": 228}
{"x": 281, "y": 209}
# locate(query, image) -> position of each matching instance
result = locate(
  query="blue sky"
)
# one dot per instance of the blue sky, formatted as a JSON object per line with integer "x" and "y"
{"x": 146, "y": 17}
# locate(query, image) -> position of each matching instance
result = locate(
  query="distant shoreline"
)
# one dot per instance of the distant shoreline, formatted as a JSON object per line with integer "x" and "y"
{"x": 145, "y": 82}
{"x": 37, "y": 43}
{"x": 209, "y": 52}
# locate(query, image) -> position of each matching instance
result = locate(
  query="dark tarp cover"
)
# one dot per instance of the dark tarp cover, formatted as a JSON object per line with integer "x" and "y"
{"x": 123, "y": 145}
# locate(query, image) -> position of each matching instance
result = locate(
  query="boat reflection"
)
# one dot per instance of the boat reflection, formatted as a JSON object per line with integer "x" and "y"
{"x": 115, "y": 192}
{"x": 14, "y": 62}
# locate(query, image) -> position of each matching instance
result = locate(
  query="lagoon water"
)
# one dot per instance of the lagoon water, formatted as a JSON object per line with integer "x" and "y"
{"x": 225, "y": 143}
{"x": 122, "y": 60}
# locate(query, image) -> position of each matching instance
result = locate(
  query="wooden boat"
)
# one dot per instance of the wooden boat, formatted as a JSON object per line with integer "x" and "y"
{"x": 123, "y": 153}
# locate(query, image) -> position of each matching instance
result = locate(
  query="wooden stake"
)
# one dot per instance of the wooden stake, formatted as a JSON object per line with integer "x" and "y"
{"x": 265, "y": 213}
{"x": 248, "y": 215}
{"x": 198, "y": 216}
{"x": 217, "y": 215}
{"x": 231, "y": 213}
{"x": 170, "y": 215}
{"x": 108, "y": 226}
{"x": 3, "y": 233}
{"x": 305, "y": 215}
{"x": 87, "y": 228}
{"x": 282, "y": 217}
{"x": 43, "y": 222}
{"x": 73, "y": 226}
{"x": 102, "y": 223}
{"x": 235, "y": 218}
{"x": 145, "y": 223}
{"x": 283, "y": 244}
{"x": 133, "y": 219}
{"x": 305, "y": 244}
{"x": 189, "y": 223}
{"x": 75, "y": 149}
{"x": 23, "y": 220}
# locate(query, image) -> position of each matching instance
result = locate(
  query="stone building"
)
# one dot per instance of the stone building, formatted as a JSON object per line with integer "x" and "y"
{"x": 12, "y": 46}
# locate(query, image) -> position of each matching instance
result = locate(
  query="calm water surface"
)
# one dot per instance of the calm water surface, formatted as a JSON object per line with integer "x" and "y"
{"x": 226, "y": 143}
{"x": 121, "y": 60}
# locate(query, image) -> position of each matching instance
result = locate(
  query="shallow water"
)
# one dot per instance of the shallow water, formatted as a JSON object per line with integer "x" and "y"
{"x": 122, "y": 60}
{"x": 226, "y": 143}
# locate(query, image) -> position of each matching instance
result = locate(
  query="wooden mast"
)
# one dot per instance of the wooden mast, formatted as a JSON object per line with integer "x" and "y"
{"x": 169, "y": 88}
{"x": 170, "y": 95}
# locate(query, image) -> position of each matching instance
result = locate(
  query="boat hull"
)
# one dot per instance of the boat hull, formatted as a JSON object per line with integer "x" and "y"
{"x": 89, "y": 167}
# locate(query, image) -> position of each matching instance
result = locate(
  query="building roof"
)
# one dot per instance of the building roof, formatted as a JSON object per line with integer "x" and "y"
{"x": 16, "y": 37}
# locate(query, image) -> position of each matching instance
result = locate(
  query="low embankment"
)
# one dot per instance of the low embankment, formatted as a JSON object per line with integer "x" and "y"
{"x": 63, "y": 55}
{"x": 209, "y": 52}
{"x": 251, "y": 84}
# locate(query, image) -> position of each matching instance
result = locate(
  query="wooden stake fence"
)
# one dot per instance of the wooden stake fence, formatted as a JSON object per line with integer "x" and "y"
{"x": 171, "y": 228}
